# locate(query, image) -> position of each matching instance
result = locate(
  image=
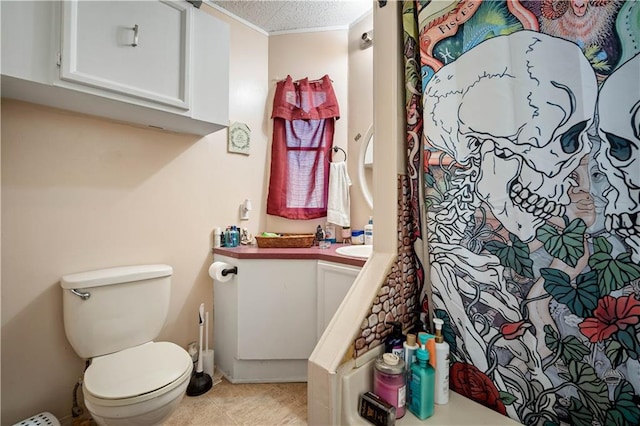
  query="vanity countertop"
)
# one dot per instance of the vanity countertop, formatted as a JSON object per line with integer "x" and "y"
{"x": 314, "y": 252}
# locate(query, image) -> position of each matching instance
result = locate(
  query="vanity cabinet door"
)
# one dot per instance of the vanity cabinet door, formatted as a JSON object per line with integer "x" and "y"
{"x": 334, "y": 281}
{"x": 276, "y": 309}
{"x": 136, "y": 48}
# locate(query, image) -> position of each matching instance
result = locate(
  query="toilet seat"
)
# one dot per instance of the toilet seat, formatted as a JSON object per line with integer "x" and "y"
{"x": 137, "y": 374}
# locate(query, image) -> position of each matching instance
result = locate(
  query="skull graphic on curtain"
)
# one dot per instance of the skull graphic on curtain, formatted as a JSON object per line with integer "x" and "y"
{"x": 531, "y": 138}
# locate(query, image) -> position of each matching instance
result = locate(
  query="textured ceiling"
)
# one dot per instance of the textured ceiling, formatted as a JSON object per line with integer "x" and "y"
{"x": 275, "y": 16}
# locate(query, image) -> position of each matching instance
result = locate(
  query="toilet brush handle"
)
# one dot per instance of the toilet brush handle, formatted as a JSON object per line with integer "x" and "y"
{"x": 199, "y": 367}
{"x": 206, "y": 331}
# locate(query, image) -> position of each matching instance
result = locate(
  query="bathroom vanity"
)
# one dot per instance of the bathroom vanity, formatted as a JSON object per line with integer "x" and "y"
{"x": 270, "y": 315}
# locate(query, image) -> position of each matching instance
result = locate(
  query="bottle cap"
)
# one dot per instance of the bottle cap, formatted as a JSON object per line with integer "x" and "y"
{"x": 422, "y": 338}
{"x": 390, "y": 364}
{"x": 411, "y": 339}
{"x": 437, "y": 322}
{"x": 390, "y": 359}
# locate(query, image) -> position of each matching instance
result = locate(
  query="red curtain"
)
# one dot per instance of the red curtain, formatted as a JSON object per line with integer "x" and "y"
{"x": 304, "y": 114}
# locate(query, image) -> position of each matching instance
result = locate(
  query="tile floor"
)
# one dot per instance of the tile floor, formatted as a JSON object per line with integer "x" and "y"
{"x": 261, "y": 404}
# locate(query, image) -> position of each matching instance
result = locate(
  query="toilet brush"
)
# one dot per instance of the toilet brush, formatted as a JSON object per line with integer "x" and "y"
{"x": 207, "y": 355}
{"x": 200, "y": 382}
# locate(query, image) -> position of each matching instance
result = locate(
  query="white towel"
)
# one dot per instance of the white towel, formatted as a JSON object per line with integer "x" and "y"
{"x": 338, "y": 204}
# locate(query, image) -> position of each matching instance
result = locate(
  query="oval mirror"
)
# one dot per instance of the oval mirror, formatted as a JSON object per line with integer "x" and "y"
{"x": 365, "y": 167}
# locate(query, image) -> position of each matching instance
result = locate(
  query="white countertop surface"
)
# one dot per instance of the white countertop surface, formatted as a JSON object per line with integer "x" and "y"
{"x": 460, "y": 411}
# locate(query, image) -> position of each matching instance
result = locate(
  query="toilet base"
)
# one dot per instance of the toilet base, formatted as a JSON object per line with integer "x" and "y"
{"x": 149, "y": 412}
{"x": 154, "y": 417}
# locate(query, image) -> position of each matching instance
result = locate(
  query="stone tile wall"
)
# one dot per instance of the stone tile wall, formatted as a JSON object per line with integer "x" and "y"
{"x": 398, "y": 298}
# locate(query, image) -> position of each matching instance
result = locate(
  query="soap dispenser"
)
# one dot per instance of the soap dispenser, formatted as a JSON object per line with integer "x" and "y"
{"x": 422, "y": 386}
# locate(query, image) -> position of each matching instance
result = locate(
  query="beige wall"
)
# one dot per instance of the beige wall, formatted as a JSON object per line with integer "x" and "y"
{"x": 360, "y": 114}
{"x": 338, "y": 54}
{"x": 312, "y": 55}
{"x": 81, "y": 192}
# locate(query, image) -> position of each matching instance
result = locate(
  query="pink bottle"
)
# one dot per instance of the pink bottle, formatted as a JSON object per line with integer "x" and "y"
{"x": 389, "y": 381}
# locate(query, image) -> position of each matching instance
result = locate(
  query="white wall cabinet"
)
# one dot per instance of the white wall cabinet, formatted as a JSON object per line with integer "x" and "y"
{"x": 334, "y": 281}
{"x": 132, "y": 48}
{"x": 266, "y": 318}
{"x": 163, "y": 64}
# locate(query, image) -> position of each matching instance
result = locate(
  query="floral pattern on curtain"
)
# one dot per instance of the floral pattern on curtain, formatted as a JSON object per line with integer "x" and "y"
{"x": 531, "y": 178}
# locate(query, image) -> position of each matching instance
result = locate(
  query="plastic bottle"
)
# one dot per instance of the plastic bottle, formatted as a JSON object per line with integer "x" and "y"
{"x": 233, "y": 237}
{"x": 422, "y": 386}
{"x": 227, "y": 237}
{"x": 441, "y": 395}
{"x": 330, "y": 233}
{"x": 319, "y": 235}
{"x": 410, "y": 348}
{"x": 389, "y": 382}
{"x": 368, "y": 232}
{"x": 217, "y": 242}
{"x": 395, "y": 340}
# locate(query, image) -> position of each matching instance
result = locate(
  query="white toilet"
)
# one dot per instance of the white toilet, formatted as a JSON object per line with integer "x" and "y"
{"x": 111, "y": 316}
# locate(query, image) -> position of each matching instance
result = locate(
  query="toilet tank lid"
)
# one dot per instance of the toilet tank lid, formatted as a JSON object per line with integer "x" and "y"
{"x": 116, "y": 275}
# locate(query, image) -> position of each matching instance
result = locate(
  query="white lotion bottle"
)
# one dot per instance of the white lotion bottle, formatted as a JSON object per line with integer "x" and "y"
{"x": 368, "y": 232}
{"x": 410, "y": 352}
{"x": 410, "y": 348}
{"x": 441, "y": 395}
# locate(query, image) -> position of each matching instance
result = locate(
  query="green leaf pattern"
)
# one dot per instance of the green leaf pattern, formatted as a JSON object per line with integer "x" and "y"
{"x": 570, "y": 348}
{"x": 613, "y": 273}
{"x": 594, "y": 390}
{"x": 514, "y": 255}
{"x": 581, "y": 299}
{"x": 567, "y": 245}
{"x": 623, "y": 403}
{"x": 616, "y": 353}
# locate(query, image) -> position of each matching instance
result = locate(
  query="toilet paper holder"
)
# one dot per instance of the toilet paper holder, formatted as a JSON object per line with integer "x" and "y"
{"x": 228, "y": 271}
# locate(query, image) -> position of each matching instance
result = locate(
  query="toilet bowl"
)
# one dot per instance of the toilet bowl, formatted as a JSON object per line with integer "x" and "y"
{"x": 140, "y": 385}
{"x": 111, "y": 317}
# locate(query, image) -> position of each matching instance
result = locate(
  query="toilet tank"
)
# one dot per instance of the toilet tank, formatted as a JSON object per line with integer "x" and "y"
{"x": 112, "y": 309}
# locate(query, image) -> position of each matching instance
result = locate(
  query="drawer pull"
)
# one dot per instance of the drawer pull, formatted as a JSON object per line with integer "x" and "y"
{"x": 135, "y": 35}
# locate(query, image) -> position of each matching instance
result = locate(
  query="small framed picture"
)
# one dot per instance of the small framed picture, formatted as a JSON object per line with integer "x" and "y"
{"x": 239, "y": 138}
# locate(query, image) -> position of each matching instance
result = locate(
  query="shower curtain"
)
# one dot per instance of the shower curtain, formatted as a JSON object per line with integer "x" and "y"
{"x": 528, "y": 118}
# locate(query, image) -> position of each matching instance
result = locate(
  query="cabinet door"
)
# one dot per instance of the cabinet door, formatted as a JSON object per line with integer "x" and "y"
{"x": 136, "y": 48}
{"x": 276, "y": 309}
{"x": 334, "y": 281}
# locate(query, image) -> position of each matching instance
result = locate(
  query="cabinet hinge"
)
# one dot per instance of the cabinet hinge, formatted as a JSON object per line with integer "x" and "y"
{"x": 58, "y": 59}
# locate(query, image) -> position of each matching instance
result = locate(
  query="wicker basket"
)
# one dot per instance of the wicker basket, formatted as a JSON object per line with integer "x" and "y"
{"x": 286, "y": 241}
